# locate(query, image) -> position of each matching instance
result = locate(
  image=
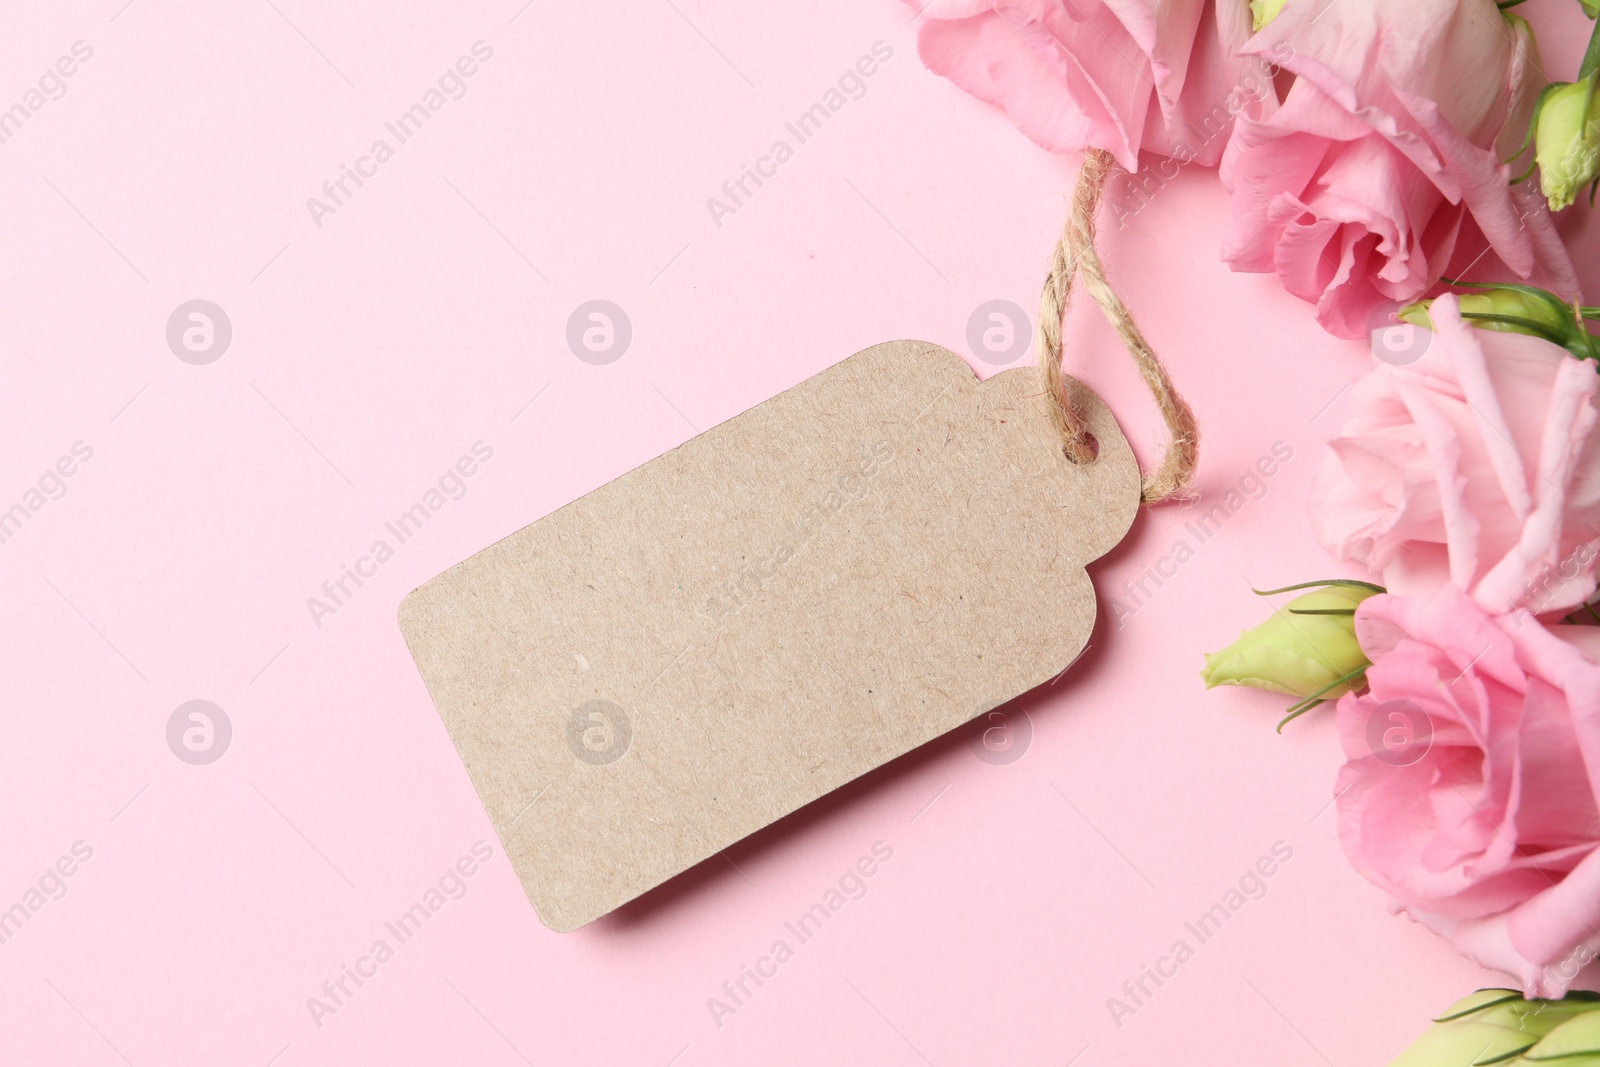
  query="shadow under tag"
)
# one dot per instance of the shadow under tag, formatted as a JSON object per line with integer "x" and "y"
{"x": 775, "y": 607}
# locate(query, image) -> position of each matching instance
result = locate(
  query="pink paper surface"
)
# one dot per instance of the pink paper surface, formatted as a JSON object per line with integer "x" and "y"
{"x": 374, "y": 345}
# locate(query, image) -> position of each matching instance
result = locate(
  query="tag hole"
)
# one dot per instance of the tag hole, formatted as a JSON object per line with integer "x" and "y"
{"x": 1094, "y": 450}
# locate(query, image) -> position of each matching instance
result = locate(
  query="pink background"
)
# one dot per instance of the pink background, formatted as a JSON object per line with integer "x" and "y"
{"x": 372, "y": 351}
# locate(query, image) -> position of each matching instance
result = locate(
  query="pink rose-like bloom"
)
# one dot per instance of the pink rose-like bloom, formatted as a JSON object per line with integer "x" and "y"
{"x": 1356, "y": 189}
{"x": 1477, "y": 464}
{"x": 1161, "y": 76}
{"x": 1470, "y": 791}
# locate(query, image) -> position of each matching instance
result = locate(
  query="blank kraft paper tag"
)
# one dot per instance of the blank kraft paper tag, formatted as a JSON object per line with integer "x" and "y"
{"x": 781, "y": 604}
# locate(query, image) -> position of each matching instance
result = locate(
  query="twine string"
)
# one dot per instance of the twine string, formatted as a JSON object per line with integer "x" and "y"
{"x": 1075, "y": 255}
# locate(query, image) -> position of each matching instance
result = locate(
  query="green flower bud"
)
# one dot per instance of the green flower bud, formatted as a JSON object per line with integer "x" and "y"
{"x": 1566, "y": 140}
{"x": 1573, "y": 1043}
{"x": 1492, "y": 309}
{"x": 1499, "y": 1026}
{"x": 1307, "y": 648}
{"x": 1264, "y": 11}
{"x": 1514, "y": 309}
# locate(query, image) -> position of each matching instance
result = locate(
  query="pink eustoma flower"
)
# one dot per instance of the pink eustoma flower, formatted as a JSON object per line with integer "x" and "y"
{"x": 1387, "y": 148}
{"x": 1160, "y": 76}
{"x": 1477, "y": 464}
{"x": 1470, "y": 792}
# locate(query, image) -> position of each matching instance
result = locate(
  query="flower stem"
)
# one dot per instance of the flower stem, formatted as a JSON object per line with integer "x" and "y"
{"x": 1591, "y": 55}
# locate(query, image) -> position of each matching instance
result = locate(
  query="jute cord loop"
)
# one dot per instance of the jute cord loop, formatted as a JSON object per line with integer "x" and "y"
{"x": 1075, "y": 255}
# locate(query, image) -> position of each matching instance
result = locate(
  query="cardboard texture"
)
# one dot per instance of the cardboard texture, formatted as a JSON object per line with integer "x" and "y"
{"x": 781, "y": 604}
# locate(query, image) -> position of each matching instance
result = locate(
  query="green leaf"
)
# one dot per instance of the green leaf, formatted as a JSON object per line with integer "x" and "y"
{"x": 1318, "y": 585}
{"x": 1317, "y": 698}
{"x": 1528, "y": 326}
{"x": 1483, "y": 998}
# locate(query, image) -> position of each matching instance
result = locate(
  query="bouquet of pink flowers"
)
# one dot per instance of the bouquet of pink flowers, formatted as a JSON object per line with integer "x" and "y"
{"x": 1365, "y": 145}
{"x": 1467, "y": 478}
